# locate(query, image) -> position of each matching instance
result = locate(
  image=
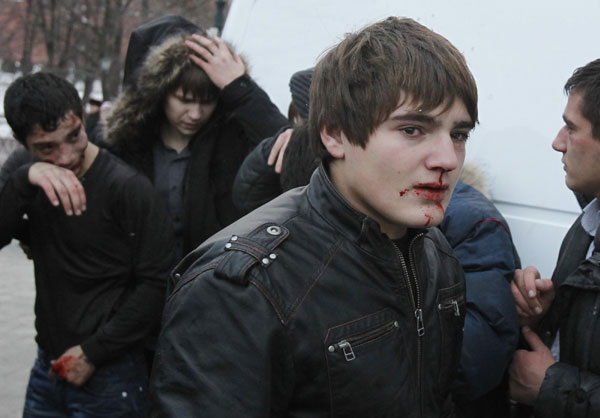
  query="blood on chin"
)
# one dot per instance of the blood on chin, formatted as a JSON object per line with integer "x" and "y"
{"x": 433, "y": 216}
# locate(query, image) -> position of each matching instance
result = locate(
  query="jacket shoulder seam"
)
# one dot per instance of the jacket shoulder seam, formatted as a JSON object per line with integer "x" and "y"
{"x": 207, "y": 267}
{"x": 271, "y": 300}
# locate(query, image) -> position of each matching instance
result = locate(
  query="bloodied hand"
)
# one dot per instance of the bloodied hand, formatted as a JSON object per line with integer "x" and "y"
{"x": 73, "y": 366}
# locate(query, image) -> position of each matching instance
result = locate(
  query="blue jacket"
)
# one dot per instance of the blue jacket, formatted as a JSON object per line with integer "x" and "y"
{"x": 481, "y": 240}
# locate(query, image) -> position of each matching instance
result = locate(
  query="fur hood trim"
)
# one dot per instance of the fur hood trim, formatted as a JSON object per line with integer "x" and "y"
{"x": 474, "y": 175}
{"x": 137, "y": 106}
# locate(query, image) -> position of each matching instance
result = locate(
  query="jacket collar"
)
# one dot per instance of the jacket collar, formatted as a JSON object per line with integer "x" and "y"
{"x": 337, "y": 211}
{"x": 587, "y": 275}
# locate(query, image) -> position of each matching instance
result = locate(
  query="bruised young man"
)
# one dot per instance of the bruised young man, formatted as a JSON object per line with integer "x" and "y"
{"x": 102, "y": 249}
{"x": 338, "y": 299}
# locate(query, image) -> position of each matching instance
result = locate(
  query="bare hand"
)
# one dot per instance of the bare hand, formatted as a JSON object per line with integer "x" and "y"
{"x": 73, "y": 366}
{"x": 215, "y": 58}
{"x": 528, "y": 368}
{"x": 278, "y": 150}
{"x": 533, "y": 295}
{"x": 59, "y": 183}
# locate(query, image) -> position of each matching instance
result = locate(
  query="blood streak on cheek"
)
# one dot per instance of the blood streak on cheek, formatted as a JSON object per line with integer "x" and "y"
{"x": 403, "y": 192}
{"x": 61, "y": 366}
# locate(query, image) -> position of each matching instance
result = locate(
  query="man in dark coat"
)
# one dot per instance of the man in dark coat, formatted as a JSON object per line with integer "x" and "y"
{"x": 560, "y": 376}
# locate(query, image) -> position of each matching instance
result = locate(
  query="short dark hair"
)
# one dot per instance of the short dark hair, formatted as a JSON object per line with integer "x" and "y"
{"x": 586, "y": 81}
{"x": 299, "y": 161}
{"x": 362, "y": 80}
{"x": 39, "y": 100}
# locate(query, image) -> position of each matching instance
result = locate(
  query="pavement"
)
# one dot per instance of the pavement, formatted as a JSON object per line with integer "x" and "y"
{"x": 17, "y": 344}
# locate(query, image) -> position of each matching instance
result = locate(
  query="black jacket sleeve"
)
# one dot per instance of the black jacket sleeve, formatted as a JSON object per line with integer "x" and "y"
{"x": 152, "y": 239}
{"x": 570, "y": 392}
{"x": 250, "y": 105}
{"x": 15, "y": 160}
{"x": 14, "y": 198}
{"x": 256, "y": 183}
{"x": 571, "y": 387}
{"x": 221, "y": 351}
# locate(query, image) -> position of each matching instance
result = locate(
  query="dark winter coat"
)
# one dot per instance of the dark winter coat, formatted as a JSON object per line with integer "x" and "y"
{"x": 571, "y": 387}
{"x": 304, "y": 308}
{"x": 244, "y": 115}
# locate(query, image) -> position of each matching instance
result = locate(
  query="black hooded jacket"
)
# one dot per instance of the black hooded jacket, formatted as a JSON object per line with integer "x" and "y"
{"x": 244, "y": 116}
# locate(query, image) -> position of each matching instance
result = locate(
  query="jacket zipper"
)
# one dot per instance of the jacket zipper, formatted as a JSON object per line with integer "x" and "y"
{"x": 453, "y": 304}
{"x": 416, "y": 302}
{"x": 346, "y": 344}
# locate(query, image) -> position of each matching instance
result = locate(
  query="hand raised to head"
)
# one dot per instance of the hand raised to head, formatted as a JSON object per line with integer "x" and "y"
{"x": 216, "y": 59}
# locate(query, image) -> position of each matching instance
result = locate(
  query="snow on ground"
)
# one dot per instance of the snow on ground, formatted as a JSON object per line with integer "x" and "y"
{"x": 5, "y": 80}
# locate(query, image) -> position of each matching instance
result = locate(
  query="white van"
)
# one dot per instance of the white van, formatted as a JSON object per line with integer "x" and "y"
{"x": 521, "y": 54}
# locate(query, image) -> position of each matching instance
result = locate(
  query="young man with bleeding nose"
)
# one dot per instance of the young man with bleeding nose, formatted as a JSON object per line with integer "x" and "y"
{"x": 338, "y": 298}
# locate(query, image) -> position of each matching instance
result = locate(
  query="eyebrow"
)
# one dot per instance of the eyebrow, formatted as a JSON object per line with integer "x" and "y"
{"x": 464, "y": 125}
{"x": 75, "y": 129}
{"x": 568, "y": 121}
{"x": 415, "y": 117}
{"x": 429, "y": 120}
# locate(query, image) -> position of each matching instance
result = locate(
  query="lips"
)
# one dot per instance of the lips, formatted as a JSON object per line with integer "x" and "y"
{"x": 431, "y": 191}
{"x": 191, "y": 126}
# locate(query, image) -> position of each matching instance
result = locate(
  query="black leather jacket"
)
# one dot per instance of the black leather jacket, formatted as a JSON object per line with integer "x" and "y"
{"x": 303, "y": 308}
{"x": 571, "y": 387}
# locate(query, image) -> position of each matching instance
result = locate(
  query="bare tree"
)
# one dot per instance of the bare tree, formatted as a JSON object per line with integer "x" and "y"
{"x": 86, "y": 39}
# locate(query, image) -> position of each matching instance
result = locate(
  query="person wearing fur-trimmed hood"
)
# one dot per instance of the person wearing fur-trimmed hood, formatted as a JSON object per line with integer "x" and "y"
{"x": 188, "y": 116}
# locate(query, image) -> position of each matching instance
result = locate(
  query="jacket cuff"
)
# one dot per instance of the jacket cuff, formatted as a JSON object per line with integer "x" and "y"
{"x": 559, "y": 389}
{"x": 235, "y": 91}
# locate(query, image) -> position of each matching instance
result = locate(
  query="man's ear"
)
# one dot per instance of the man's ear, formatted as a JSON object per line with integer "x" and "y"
{"x": 333, "y": 142}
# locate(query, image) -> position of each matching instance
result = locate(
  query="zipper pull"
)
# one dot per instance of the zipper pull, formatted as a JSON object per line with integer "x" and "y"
{"x": 420, "y": 324}
{"x": 346, "y": 348}
{"x": 456, "y": 308}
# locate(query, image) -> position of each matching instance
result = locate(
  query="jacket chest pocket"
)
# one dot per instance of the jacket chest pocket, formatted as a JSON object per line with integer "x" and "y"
{"x": 367, "y": 367}
{"x": 451, "y": 310}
